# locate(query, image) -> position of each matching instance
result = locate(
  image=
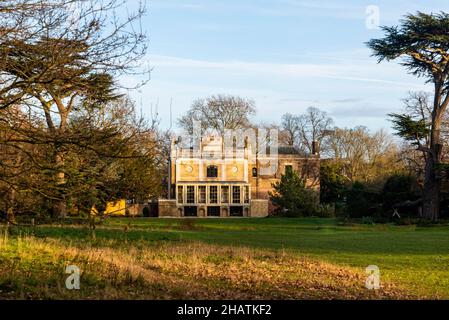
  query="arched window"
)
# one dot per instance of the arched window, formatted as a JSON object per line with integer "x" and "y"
{"x": 212, "y": 172}
{"x": 255, "y": 173}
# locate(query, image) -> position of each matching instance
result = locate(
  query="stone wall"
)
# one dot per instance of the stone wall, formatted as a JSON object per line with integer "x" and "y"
{"x": 136, "y": 209}
{"x": 259, "y": 208}
{"x": 168, "y": 208}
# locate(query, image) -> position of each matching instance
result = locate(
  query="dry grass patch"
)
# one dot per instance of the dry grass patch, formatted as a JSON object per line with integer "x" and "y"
{"x": 33, "y": 268}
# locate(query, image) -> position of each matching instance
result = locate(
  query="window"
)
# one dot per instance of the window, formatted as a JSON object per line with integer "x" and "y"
{"x": 212, "y": 172}
{"x": 191, "y": 211}
{"x": 202, "y": 194}
{"x": 224, "y": 194}
{"x": 213, "y": 211}
{"x": 190, "y": 194}
{"x": 246, "y": 194}
{"x": 235, "y": 194}
{"x": 288, "y": 169}
{"x": 236, "y": 211}
{"x": 213, "y": 194}
{"x": 255, "y": 173}
{"x": 180, "y": 194}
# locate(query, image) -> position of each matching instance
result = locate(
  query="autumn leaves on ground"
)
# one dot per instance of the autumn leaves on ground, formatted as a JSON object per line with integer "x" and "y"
{"x": 210, "y": 259}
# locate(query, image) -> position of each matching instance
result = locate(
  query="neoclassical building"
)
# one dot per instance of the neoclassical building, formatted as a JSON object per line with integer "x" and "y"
{"x": 213, "y": 180}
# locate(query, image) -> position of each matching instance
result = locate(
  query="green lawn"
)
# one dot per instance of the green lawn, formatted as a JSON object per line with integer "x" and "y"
{"x": 414, "y": 258}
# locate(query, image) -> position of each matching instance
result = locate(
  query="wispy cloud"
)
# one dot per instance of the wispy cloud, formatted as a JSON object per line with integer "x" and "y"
{"x": 348, "y": 100}
{"x": 361, "y": 72}
{"x": 295, "y": 8}
{"x": 361, "y": 110}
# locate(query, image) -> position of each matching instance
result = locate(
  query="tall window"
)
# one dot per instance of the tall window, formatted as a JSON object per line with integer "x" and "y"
{"x": 236, "y": 194}
{"x": 288, "y": 169}
{"x": 180, "y": 194}
{"x": 213, "y": 194}
{"x": 246, "y": 194}
{"x": 202, "y": 194}
{"x": 190, "y": 194}
{"x": 224, "y": 194}
{"x": 212, "y": 172}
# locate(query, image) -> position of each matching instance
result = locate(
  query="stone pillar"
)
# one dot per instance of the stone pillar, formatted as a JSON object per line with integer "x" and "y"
{"x": 224, "y": 212}
{"x": 202, "y": 212}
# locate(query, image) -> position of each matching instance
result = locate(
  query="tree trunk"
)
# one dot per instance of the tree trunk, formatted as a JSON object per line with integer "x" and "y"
{"x": 59, "y": 207}
{"x": 432, "y": 182}
{"x": 431, "y": 205}
{"x": 10, "y": 205}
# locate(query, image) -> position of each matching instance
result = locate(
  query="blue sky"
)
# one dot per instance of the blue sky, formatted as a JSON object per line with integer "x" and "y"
{"x": 287, "y": 55}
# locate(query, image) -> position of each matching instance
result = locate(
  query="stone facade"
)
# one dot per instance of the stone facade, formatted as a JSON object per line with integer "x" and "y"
{"x": 168, "y": 208}
{"x": 259, "y": 208}
{"x": 213, "y": 181}
{"x": 149, "y": 209}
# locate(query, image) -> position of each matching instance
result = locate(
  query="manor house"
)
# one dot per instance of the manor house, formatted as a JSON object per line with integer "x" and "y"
{"x": 213, "y": 180}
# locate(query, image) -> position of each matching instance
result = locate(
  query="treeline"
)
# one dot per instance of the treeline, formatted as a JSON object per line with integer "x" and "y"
{"x": 362, "y": 173}
{"x": 70, "y": 140}
{"x": 421, "y": 44}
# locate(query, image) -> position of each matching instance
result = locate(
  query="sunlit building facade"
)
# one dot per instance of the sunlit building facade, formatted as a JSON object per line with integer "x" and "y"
{"x": 214, "y": 180}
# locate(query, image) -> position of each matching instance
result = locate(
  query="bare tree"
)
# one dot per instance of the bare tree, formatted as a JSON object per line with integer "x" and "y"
{"x": 307, "y": 131}
{"x": 418, "y": 110}
{"x": 290, "y": 130}
{"x": 66, "y": 63}
{"x": 363, "y": 156}
{"x": 219, "y": 113}
{"x": 14, "y": 169}
{"x": 314, "y": 125}
{"x": 414, "y": 126}
{"x": 110, "y": 153}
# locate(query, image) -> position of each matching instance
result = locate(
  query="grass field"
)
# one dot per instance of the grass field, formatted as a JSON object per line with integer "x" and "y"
{"x": 270, "y": 258}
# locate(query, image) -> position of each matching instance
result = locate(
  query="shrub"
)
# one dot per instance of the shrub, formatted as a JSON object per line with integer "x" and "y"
{"x": 326, "y": 211}
{"x": 399, "y": 189}
{"x": 444, "y": 205}
{"x": 368, "y": 220}
{"x": 360, "y": 202}
{"x": 292, "y": 198}
{"x": 333, "y": 186}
